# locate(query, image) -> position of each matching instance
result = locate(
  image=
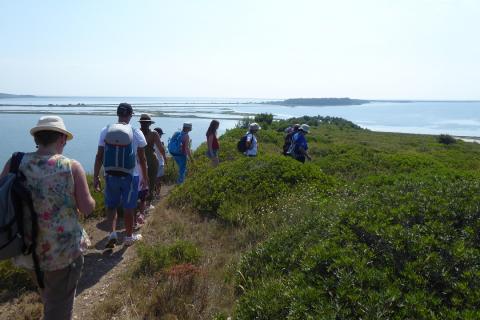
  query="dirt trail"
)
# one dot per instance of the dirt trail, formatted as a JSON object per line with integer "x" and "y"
{"x": 103, "y": 268}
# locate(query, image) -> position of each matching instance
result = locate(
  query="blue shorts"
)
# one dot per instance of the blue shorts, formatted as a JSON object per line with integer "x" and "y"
{"x": 121, "y": 191}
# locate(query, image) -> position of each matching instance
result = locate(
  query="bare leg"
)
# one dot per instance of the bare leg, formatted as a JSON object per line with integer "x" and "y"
{"x": 158, "y": 186}
{"x": 128, "y": 221}
{"x": 112, "y": 218}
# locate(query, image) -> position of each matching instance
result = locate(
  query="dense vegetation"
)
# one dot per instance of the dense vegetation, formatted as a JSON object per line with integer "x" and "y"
{"x": 377, "y": 226}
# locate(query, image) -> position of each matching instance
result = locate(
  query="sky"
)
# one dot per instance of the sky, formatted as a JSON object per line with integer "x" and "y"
{"x": 370, "y": 49}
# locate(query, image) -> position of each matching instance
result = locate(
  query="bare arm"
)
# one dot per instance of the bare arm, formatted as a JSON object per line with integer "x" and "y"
{"x": 248, "y": 143}
{"x": 304, "y": 152}
{"x": 97, "y": 166}
{"x": 143, "y": 165}
{"x": 159, "y": 145}
{"x": 189, "y": 151}
{"x": 210, "y": 142}
{"x": 83, "y": 199}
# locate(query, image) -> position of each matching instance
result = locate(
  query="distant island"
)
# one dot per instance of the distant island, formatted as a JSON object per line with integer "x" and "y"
{"x": 7, "y": 95}
{"x": 319, "y": 102}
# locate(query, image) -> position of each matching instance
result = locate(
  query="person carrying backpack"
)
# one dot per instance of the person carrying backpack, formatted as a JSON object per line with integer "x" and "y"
{"x": 299, "y": 146}
{"x": 59, "y": 193}
{"x": 288, "y": 138}
{"x": 121, "y": 152}
{"x": 251, "y": 143}
{"x": 179, "y": 148}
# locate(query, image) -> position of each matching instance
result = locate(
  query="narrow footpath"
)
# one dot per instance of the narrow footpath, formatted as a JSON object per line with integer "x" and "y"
{"x": 104, "y": 267}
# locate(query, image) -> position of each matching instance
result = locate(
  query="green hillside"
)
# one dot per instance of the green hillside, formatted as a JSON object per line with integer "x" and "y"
{"x": 378, "y": 225}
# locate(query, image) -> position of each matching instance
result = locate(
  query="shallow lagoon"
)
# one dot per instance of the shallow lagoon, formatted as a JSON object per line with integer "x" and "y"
{"x": 86, "y": 116}
{"x": 86, "y": 130}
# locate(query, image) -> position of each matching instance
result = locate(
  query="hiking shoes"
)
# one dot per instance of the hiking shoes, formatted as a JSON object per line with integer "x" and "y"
{"x": 112, "y": 241}
{"x": 131, "y": 240}
{"x": 140, "y": 219}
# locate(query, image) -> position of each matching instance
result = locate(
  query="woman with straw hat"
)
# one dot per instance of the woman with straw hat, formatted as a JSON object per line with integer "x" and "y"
{"x": 59, "y": 190}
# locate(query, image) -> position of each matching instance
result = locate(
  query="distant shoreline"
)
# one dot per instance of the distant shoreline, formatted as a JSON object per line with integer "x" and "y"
{"x": 10, "y": 96}
{"x": 285, "y": 102}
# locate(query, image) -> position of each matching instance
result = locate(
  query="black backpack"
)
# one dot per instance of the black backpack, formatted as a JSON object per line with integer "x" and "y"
{"x": 288, "y": 142}
{"x": 16, "y": 208}
{"x": 242, "y": 143}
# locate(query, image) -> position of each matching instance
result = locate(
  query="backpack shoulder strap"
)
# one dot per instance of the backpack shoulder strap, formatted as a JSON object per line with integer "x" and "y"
{"x": 15, "y": 161}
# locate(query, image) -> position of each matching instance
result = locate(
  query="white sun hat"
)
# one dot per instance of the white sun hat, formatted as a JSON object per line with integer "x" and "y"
{"x": 254, "y": 126}
{"x": 51, "y": 123}
{"x": 304, "y": 128}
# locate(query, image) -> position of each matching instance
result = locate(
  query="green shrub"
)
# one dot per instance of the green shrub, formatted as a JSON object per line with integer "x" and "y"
{"x": 264, "y": 118}
{"x": 154, "y": 258}
{"x": 244, "y": 123}
{"x": 236, "y": 189}
{"x": 13, "y": 281}
{"x": 446, "y": 139}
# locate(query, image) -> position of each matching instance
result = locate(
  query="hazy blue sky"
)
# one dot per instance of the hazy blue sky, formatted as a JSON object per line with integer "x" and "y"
{"x": 423, "y": 49}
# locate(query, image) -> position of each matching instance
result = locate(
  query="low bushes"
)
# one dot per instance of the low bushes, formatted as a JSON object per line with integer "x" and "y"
{"x": 235, "y": 190}
{"x": 408, "y": 249}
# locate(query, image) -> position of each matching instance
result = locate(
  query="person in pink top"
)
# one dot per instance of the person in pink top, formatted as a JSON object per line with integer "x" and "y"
{"x": 60, "y": 194}
{"x": 212, "y": 142}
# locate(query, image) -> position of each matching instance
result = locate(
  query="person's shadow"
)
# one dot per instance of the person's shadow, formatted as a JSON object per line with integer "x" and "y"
{"x": 96, "y": 265}
{"x": 99, "y": 261}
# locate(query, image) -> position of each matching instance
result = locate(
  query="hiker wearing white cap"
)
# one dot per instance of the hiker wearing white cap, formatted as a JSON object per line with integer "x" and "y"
{"x": 59, "y": 191}
{"x": 121, "y": 152}
{"x": 179, "y": 148}
{"x": 251, "y": 142}
{"x": 299, "y": 146}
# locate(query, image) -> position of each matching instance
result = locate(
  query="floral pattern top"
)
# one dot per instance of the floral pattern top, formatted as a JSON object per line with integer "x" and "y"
{"x": 60, "y": 236}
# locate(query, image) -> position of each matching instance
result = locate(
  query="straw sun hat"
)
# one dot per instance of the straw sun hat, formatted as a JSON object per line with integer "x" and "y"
{"x": 51, "y": 123}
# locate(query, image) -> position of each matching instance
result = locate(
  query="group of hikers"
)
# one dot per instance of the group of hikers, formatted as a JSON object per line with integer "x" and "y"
{"x": 133, "y": 162}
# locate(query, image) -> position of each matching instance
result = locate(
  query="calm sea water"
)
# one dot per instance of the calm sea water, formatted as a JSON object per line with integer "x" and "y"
{"x": 86, "y": 116}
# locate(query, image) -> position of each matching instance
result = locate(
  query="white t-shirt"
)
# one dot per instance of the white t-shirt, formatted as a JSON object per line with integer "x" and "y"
{"x": 138, "y": 142}
{"x": 252, "y": 151}
{"x": 161, "y": 161}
